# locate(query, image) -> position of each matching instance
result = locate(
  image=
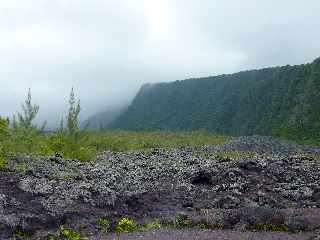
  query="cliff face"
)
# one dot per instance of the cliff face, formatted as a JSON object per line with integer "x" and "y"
{"x": 283, "y": 101}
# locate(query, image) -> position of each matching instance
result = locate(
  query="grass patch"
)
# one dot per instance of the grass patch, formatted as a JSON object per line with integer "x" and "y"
{"x": 86, "y": 145}
{"x": 268, "y": 227}
{"x": 129, "y": 141}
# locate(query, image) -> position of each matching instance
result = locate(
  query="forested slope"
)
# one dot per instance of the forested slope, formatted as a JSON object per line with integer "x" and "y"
{"x": 281, "y": 101}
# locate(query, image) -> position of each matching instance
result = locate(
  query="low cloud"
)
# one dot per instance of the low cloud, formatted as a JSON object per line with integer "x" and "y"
{"x": 107, "y": 49}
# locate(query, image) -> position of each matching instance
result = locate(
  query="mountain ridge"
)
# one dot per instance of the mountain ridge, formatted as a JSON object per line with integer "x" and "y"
{"x": 279, "y": 101}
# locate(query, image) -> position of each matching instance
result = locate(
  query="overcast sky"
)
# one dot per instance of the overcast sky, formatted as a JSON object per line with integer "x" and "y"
{"x": 107, "y": 48}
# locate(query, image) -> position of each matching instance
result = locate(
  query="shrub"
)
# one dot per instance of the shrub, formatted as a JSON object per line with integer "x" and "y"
{"x": 83, "y": 154}
{"x": 151, "y": 225}
{"x": 70, "y": 234}
{"x": 57, "y": 142}
{"x": 182, "y": 220}
{"x": 126, "y": 225}
{"x": 203, "y": 226}
{"x": 52, "y": 237}
{"x": 104, "y": 224}
{"x": 3, "y": 163}
{"x": 22, "y": 141}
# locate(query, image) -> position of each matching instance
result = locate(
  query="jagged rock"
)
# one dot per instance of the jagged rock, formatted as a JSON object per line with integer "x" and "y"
{"x": 201, "y": 177}
{"x": 45, "y": 193}
{"x": 250, "y": 164}
{"x": 298, "y": 224}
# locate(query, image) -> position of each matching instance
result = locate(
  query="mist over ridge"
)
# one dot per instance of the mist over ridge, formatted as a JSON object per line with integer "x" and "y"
{"x": 107, "y": 49}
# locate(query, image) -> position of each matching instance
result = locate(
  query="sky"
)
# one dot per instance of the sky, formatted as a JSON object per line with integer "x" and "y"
{"x": 106, "y": 49}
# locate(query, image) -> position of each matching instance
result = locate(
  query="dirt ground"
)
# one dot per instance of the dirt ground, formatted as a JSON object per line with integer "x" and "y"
{"x": 208, "y": 235}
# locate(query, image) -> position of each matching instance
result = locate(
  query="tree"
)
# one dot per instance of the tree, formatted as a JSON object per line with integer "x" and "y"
{"x": 29, "y": 112}
{"x": 73, "y": 114}
{"x": 4, "y": 124}
{"x": 61, "y": 127}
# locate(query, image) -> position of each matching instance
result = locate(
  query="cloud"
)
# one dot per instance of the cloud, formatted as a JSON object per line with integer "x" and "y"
{"x": 106, "y": 49}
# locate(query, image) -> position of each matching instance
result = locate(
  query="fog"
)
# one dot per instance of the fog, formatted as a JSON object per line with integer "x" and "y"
{"x": 106, "y": 49}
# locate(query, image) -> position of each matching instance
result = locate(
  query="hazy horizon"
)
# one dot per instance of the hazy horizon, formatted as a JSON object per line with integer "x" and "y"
{"x": 107, "y": 49}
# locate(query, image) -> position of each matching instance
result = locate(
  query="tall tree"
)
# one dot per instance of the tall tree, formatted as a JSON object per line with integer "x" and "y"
{"x": 29, "y": 112}
{"x": 4, "y": 123}
{"x": 73, "y": 114}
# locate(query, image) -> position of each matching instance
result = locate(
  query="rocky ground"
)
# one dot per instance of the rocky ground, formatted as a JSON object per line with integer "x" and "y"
{"x": 276, "y": 189}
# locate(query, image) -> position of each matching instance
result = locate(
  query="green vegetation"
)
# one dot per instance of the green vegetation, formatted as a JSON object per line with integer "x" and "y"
{"x": 19, "y": 232}
{"x": 3, "y": 163}
{"x": 151, "y": 225}
{"x": 126, "y": 225}
{"x": 25, "y": 138}
{"x": 86, "y": 145}
{"x": 29, "y": 113}
{"x": 128, "y": 140}
{"x": 279, "y": 101}
{"x": 4, "y": 124}
{"x": 83, "y": 145}
{"x": 269, "y": 227}
{"x": 203, "y": 226}
{"x": 104, "y": 224}
{"x": 182, "y": 221}
{"x": 52, "y": 237}
{"x": 69, "y": 234}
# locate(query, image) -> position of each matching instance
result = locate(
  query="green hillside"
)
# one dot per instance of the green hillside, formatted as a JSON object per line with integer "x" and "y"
{"x": 280, "y": 101}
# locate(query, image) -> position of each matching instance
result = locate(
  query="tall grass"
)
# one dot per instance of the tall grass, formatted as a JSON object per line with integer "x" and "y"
{"x": 85, "y": 145}
{"x": 128, "y": 140}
